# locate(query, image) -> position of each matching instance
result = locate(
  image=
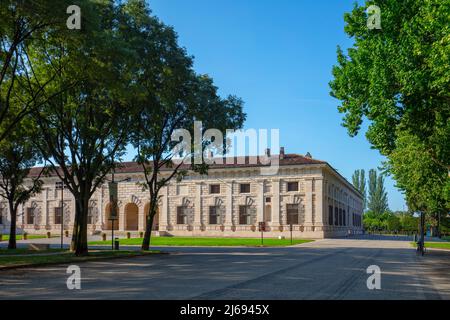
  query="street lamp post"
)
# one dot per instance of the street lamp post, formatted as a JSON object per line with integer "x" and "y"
{"x": 113, "y": 201}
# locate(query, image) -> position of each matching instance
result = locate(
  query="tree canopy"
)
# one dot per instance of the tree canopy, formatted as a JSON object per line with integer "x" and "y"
{"x": 398, "y": 78}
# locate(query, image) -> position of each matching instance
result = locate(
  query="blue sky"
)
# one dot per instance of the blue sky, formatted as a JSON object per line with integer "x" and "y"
{"x": 277, "y": 55}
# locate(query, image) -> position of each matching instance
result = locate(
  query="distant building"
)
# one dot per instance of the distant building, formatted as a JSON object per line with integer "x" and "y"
{"x": 228, "y": 202}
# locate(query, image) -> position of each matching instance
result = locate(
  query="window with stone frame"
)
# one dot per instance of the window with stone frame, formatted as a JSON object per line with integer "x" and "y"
{"x": 214, "y": 189}
{"x": 244, "y": 188}
{"x": 340, "y": 216}
{"x": 292, "y": 211}
{"x": 90, "y": 217}
{"x": 58, "y": 215}
{"x": 292, "y": 186}
{"x": 330, "y": 215}
{"x": 267, "y": 213}
{"x": 245, "y": 216}
{"x": 214, "y": 215}
{"x": 30, "y": 216}
{"x": 336, "y": 216}
{"x": 344, "y": 218}
{"x": 184, "y": 215}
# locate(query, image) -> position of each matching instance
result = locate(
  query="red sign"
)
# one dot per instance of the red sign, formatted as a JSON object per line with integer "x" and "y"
{"x": 262, "y": 226}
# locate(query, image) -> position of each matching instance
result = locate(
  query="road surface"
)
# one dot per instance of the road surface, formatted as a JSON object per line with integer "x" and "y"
{"x": 325, "y": 269}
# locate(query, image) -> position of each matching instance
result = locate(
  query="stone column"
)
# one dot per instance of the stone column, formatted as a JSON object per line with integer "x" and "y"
{"x": 141, "y": 217}
{"x": 308, "y": 204}
{"x": 275, "y": 223}
{"x": 260, "y": 201}
{"x": 229, "y": 207}
{"x": 45, "y": 207}
{"x": 101, "y": 218}
{"x": 163, "y": 216}
{"x": 121, "y": 209}
{"x": 319, "y": 217}
{"x": 198, "y": 207}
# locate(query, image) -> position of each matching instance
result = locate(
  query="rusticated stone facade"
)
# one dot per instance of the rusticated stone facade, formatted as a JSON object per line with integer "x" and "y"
{"x": 228, "y": 202}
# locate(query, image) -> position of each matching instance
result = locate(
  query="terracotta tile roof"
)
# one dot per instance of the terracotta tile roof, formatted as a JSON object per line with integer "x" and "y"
{"x": 239, "y": 162}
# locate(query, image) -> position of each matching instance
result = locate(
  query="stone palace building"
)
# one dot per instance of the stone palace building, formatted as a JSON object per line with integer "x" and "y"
{"x": 230, "y": 201}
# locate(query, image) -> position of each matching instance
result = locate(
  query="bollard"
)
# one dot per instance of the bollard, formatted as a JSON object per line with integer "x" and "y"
{"x": 141, "y": 234}
{"x": 128, "y": 235}
{"x": 49, "y": 234}
{"x": 104, "y": 236}
{"x": 25, "y": 236}
{"x": 116, "y": 244}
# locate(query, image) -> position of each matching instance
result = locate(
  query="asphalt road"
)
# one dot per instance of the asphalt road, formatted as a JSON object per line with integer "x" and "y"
{"x": 325, "y": 269}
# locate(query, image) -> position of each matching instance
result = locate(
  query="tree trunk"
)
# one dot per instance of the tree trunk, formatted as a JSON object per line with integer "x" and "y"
{"x": 12, "y": 230}
{"x": 148, "y": 228}
{"x": 79, "y": 236}
{"x": 422, "y": 227}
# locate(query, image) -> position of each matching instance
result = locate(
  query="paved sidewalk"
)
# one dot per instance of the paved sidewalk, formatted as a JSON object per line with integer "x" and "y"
{"x": 326, "y": 269}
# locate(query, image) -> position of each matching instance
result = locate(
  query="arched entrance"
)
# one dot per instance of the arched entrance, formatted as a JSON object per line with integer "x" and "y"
{"x": 155, "y": 225}
{"x": 108, "y": 222}
{"x": 131, "y": 217}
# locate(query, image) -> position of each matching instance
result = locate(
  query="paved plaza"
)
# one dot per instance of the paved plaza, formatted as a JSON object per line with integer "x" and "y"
{"x": 325, "y": 269}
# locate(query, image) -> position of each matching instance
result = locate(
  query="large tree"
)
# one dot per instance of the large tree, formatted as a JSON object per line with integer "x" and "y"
{"x": 359, "y": 182}
{"x": 170, "y": 96}
{"x": 22, "y": 23}
{"x": 377, "y": 198}
{"x": 17, "y": 156}
{"x": 85, "y": 129}
{"x": 398, "y": 78}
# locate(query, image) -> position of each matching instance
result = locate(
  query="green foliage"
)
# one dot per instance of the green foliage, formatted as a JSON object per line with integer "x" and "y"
{"x": 398, "y": 78}
{"x": 377, "y": 199}
{"x": 391, "y": 222}
{"x": 168, "y": 96}
{"x": 359, "y": 182}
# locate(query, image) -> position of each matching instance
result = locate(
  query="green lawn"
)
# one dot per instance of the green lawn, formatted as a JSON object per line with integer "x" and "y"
{"x": 209, "y": 242}
{"x": 19, "y": 237}
{"x": 65, "y": 257}
{"x": 437, "y": 245}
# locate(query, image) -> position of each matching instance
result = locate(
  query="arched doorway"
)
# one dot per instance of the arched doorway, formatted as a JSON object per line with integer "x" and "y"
{"x": 131, "y": 217}
{"x": 108, "y": 222}
{"x": 155, "y": 225}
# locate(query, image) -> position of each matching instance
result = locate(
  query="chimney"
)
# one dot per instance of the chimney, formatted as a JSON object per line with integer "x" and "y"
{"x": 268, "y": 152}
{"x": 281, "y": 153}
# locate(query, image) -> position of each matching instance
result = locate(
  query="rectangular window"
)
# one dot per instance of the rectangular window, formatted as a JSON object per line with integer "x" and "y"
{"x": 292, "y": 186}
{"x": 90, "y": 218}
{"x": 1, "y": 215}
{"x": 330, "y": 215}
{"x": 244, "y": 215}
{"x": 58, "y": 215}
{"x": 268, "y": 200}
{"x": 214, "y": 215}
{"x": 343, "y": 215}
{"x": 292, "y": 214}
{"x": 336, "y": 216}
{"x": 340, "y": 216}
{"x": 58, "y": 185}
{"x": 267, "y": 213}
{"x": 244, "y": 188}
{"x": 181, "y": 215}
{"x": 30, "y": 216}
{"x": 214, "y": 188}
